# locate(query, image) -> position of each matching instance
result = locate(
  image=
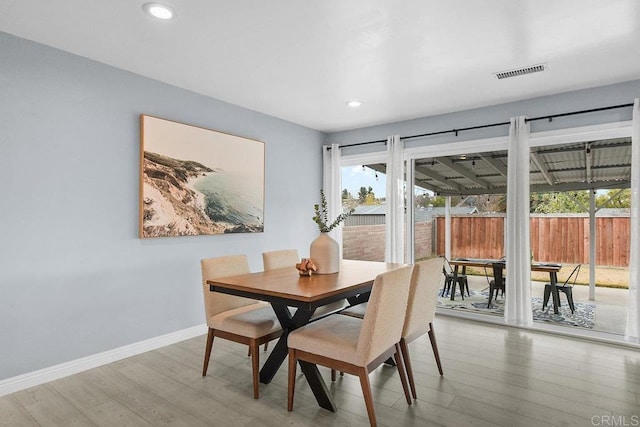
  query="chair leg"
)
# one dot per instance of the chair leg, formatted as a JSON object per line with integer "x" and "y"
{"x": 491, "y": 288}
{"x": 547, "y": 293}
{"x": 333, "y": 375}
{"x": 569, "y": 293}
{"x": 255, "y": 366}
{"x": 453, "y": 290}
{"x": 404, "y": 350}
{"x": 447, "y": 287}
{"x": 402, "y": 372}
{"x": 466, "y": 286}
{"x": 368, "y": 397}
{"x": 266, "y": 345}
{"x": 292, "y": 379}
{"x": 207, "y": 352}
{"x": 434, "y": 346}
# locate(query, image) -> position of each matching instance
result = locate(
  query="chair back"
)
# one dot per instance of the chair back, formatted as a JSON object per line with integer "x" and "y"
{"x": 423, "y": 296}
{"x": 384, "y": 318}
{"x": 571, "y": 280}
{"x": 447, "y": 270}
{"x": 280, "y": 259}
{"x": 498, "y": 277}
{"x": 213, "y": 268}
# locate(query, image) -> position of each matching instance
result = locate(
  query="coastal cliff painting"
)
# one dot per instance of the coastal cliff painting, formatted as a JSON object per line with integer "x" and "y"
{"x": 196, "y": 181}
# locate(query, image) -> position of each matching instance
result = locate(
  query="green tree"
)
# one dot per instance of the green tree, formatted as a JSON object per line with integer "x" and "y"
{"x": 364, "y": 193}
{"x": 423, "y": 200}
{"x": 562, "y": 202}
{"x": 370, "y": 199}
{"x": 345, "y": 194}
{"x": 577, "y": 201}
{"x": 621, "y": 201}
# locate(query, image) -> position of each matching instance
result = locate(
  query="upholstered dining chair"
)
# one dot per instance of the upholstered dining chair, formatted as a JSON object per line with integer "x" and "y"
{"x": 421, "y": 310}
{"x": 287, "y": 258}
{"x": 280, "y": 259}
{"x": 357, "y": 346}
{"x": 233, "y": 318}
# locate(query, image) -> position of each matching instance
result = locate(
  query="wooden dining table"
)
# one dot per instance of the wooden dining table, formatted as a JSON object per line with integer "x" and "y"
{"x": 285, "y": 289}
{"x": 550, "y": 268}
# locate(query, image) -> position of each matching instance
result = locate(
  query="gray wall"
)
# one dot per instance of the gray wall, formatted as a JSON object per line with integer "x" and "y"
{"x": 75, "y": 280}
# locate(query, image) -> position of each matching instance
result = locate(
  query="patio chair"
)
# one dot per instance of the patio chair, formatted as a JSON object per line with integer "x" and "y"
{"x": 566, "y": 287}
{"x": 450, "y": 280}
{"x": 498, "y": 282}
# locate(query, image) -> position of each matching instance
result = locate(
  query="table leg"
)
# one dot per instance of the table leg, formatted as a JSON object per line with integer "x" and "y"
{"x": 280, "y": 351}
{"x": 318, "y": 386}
{"x": 555, "y": 294}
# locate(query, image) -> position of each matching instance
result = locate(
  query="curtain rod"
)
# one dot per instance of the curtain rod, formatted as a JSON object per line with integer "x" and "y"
{"x": 549, "y": 117}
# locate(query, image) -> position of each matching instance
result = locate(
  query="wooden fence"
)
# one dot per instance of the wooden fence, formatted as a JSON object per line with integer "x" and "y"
{"x": 563, "y": 239}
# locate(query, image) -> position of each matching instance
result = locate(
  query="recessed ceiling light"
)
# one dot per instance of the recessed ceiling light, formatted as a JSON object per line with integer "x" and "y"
{"x": 354, "y": 104}
{"x": 158, "y": 10}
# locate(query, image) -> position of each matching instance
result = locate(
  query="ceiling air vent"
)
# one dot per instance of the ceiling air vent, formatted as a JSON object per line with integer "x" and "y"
{"x": 521, "y": 71}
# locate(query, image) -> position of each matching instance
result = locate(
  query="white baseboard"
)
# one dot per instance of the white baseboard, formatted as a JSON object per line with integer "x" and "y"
{"x": 41, "y": 376}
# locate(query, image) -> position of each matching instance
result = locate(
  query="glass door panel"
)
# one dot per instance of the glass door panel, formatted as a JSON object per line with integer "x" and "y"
{"x": 364, "y": 189}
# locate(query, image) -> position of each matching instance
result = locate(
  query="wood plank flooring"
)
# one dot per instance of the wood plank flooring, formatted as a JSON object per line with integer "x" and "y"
{"x": 493, "y": 376}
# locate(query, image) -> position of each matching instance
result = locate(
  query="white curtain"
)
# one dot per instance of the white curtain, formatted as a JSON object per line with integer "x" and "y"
{"x": 632, "y": 332}
{"x": 394, "y": 244}
{"x": 331, "y": 182}
{"x": 517, "y": 310}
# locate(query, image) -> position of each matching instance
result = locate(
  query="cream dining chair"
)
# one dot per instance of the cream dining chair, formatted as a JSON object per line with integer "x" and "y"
{"x": 280, "y": 259}
{"x": 421, "y": 309}
{"x": 357, "y": 346}
{"x": 234, "y": 318}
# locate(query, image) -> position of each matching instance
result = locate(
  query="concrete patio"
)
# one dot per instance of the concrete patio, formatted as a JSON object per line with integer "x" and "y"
{"x": 611, "y": 303}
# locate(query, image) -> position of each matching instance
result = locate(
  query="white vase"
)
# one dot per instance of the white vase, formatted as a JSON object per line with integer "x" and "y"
{"x": 325, "y": 254}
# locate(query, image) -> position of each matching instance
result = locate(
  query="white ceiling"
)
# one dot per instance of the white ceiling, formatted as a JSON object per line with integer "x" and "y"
{"x": 301, "y": 60}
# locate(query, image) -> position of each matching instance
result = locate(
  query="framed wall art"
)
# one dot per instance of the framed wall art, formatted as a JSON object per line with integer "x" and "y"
{"x": 196, "y": 181}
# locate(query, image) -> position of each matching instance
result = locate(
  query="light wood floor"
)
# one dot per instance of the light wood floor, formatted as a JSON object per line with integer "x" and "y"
{"x": 493, "y": 376}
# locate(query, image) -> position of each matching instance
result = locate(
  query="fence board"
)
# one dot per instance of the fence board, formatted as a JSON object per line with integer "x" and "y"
{"x": 553, "y": 239}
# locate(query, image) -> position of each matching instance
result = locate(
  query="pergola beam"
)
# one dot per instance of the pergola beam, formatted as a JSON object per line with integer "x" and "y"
{"x": 543, "y": 188}
{"x": 446, "y": 161}
{"x": 542, "y": 167}
{"x": 495, "y": 164}
{"x": 438, "y": 177}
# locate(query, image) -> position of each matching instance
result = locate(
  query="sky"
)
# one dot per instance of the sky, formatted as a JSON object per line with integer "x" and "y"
{"x": 213, "y": 149}
{"x": 353, "y": 177}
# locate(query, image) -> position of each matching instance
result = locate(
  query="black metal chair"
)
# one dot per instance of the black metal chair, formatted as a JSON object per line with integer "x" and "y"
{"x": 450, "y": 280}
{"x": 498, "y": 283}
{"x": 566, "y": 287}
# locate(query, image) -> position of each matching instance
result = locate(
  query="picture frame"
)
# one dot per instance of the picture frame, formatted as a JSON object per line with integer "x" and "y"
{"x": 198, "y": 181}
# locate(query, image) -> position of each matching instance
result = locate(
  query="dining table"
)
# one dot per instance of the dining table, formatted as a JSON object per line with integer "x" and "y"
{"x": 551, "y": 268}
{"x": 295, "y": 299}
